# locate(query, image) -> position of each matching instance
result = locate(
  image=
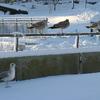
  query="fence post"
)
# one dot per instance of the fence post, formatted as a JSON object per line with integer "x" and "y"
{"x": 16, "y": 44}
{"x": 77, "y": 45}
{"x": 16, "y": 36}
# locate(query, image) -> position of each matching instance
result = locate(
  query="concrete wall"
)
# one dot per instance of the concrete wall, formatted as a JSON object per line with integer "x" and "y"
{"x": 40, "y": 66}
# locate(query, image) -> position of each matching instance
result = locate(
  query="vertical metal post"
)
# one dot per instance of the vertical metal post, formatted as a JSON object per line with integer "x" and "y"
{"x": 77, "y": 45}
{"x": 31, "y": 23}
{"x": 17, "y": 43}
{"x": 16, "y": 36}
{"x": 79, "y": 57}
{"x": 16, "y": 26}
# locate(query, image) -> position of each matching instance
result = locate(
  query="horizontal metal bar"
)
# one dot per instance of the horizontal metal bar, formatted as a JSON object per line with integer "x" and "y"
{"x": 64, "y": 34}
{"x": 22, "y": 18}
{"x": 20, "y": 22}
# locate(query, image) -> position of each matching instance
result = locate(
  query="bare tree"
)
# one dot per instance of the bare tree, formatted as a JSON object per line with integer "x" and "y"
{"x": 72, "y": 4}
{"x": 50, "y": 6}
{"x": 55, "y": 2}
{"x": 85, "y": 3}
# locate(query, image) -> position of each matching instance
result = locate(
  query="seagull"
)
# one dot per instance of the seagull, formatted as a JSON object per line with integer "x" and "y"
{"x": 38, "y": 25}
{"x": 94, "y": 25}
{"x": 61, "y": 25}
{"x": 9, "y": 75}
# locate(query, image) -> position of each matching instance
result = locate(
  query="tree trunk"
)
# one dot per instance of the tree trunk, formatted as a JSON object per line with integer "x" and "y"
{"x": 85, "y": 3}
{"x": 55, "y": 2}
{"x": 72, "y": 4}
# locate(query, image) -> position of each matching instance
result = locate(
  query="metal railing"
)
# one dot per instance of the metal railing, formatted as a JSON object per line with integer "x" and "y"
{"x": 18, "y": 24}
{"x": 17, "y": 36}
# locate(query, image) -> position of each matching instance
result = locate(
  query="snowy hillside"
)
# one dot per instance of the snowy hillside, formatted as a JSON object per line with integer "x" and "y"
{"x": 65, "y": 87}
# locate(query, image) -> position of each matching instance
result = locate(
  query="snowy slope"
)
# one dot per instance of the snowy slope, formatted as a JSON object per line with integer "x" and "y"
{"x": 65, "y": 87}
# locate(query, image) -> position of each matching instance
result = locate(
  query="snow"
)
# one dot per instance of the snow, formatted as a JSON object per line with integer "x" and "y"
{"x": 35, "y": 46}
{"x": 43, "y": 52}
{"x": 71, "y": 87}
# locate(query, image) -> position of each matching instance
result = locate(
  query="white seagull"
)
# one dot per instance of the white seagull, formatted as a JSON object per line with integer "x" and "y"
{"x": 9, "y": 75}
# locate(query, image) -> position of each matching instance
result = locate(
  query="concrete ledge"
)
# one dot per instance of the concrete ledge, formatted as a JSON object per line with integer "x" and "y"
{"x": 40, "y": 66}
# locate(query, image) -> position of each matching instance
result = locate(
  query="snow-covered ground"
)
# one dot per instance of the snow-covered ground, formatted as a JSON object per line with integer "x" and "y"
{"x": 64, "y": 87}
{"x": 50, "y": 45}
{"x": 71, "y": 87}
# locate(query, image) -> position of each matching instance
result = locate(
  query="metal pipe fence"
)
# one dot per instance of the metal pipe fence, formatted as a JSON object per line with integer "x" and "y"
{"x": 17, "y": 36}
{"x": 19, "y": 24}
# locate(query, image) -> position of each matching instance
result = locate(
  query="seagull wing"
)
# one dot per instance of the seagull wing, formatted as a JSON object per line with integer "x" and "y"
{"x": 4, "y": 74}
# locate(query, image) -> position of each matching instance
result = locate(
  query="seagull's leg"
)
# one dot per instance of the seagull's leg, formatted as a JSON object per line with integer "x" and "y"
{"x": 7, "y": 86}
{"x": 61, "y": 30}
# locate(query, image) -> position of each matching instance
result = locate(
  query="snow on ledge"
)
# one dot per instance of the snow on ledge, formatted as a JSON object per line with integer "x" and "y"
{"x": 48, "y": 52}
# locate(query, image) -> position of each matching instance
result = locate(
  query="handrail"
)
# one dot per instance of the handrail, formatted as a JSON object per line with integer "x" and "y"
{"x": 47, "y": 34}
{"x": 18, "y": 34}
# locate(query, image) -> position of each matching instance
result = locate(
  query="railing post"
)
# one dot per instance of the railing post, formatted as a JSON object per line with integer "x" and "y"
{"x": 77, "y": 45}
{"x": 16, "y": 42}
{"x": 16, "y": 25}
{"x": 16, "y": 48}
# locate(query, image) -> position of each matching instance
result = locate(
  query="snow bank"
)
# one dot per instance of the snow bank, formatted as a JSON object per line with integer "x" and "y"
{"x": 48, "y": 52}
